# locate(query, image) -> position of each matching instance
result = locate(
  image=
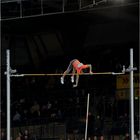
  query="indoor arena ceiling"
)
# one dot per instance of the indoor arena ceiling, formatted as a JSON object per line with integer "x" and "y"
{"x": 102, "y": 31}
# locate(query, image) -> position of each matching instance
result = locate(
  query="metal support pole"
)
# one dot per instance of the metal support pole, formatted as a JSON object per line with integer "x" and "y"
{"x": 87, "y": 117}
{"x": 131, "y": 94}
{"x": 8, "y": 93}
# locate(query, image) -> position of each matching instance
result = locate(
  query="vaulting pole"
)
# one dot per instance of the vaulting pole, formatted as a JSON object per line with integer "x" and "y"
{"x": 8, "y": 93}
{"x": 87, "y": 117}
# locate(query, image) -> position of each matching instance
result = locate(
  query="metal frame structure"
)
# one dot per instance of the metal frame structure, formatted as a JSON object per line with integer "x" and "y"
{"x": 88, "y": 7}
{"x": 12, "y": 73}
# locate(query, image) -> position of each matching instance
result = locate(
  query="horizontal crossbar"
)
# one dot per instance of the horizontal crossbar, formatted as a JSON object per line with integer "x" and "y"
{"x": 59, "y": 74}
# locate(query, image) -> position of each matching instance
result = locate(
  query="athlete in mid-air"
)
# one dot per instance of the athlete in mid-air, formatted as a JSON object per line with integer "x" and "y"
{"x": 77, "y": 68}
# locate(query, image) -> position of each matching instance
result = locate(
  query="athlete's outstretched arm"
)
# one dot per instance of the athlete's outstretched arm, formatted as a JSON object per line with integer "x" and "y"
{"x": 90, "y": 68}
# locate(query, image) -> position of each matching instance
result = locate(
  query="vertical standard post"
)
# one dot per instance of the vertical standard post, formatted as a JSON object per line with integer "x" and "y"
{"x": 131, "y": 94}
{"x": 87, "y": 117}
{"x": 8, "y": 93}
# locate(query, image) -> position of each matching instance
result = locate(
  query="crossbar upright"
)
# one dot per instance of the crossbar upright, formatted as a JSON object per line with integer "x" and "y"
{"x": 8, "y": 94}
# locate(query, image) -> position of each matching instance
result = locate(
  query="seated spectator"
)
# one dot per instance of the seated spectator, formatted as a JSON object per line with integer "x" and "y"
{"x": 95, "y": 138}
{"x": 135, "y": 137}
{"x": 3, "y": 135}
{"x": 26, "y": 135}
{"x": 126, "y": 136}
{"x": 20, "y": 136}
{"x": 102, "y": 138}
{"x": 35, "y": 109}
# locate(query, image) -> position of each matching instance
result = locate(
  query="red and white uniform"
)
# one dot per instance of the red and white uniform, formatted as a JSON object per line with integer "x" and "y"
{"x": 79, "y": 66}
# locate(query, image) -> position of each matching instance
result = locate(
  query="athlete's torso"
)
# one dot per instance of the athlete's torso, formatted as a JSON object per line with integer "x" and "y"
{"x": 78, "y": 65}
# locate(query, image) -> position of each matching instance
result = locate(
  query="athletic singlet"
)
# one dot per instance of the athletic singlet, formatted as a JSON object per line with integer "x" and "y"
{"x": 79, "y": 66}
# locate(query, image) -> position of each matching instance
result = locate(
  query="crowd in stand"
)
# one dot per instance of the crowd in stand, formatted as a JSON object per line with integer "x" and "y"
{"x": 35, "y": 101}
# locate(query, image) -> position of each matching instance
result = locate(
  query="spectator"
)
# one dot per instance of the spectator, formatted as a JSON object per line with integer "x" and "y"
{"x": 135, "y": 137}
{"x": 126, "y": 136}
{"x": 102, "y": 138}
{"x": 95, "y": 137}
{"x": 20, "y": 136}
{"x": 26, "y": 135}
{"x": 3, "y": 135}
{"x": 35, "y": 109}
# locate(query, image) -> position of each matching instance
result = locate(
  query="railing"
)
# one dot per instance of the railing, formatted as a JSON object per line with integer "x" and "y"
{"x": 57, "y": 131}
{"x": 13, "y": 9}
{"x": 51, "y": 130}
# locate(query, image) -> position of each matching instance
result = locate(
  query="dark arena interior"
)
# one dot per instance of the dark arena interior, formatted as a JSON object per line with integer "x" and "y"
{"x": 43, "y": 36}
